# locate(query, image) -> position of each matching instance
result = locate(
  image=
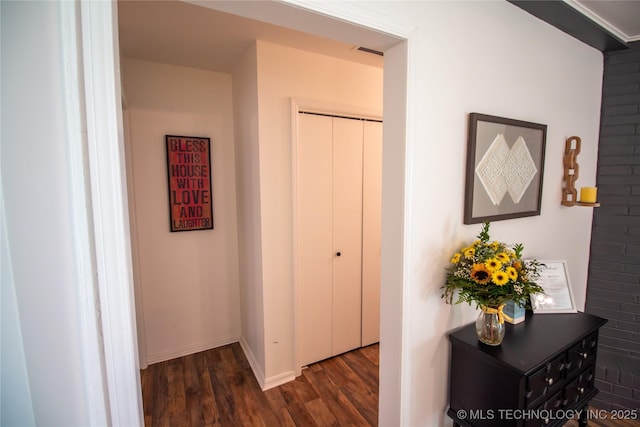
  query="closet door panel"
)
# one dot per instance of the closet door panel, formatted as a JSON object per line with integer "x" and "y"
{"x": 315, "y": 250}
{"x": 371, "y": 227}
{"x": 347, "y": 234}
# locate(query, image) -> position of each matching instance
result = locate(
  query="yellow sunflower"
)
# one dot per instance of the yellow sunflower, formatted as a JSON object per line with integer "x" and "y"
{"x": 480, "y": 274}
{"x": 499, "y": 278}
{"x": 512, "y": 273}
{"x": 503, "y": 257}
{"x": 469, "y": 252}
{"x": 493, "y": 264}
{"x": 456, "y": 258}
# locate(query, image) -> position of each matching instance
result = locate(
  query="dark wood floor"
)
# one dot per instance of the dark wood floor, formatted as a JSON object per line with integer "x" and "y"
{"x": 217, "y": 388}
{"x": 598, "y": 418}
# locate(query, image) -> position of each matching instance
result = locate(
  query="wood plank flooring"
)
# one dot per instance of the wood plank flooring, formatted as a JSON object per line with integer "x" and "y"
{"x": 599, "y": 418}
{"x": 217, "y": 388}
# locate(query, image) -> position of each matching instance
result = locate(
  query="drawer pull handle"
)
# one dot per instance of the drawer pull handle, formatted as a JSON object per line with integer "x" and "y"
{"x": 584, "y": 355}
{"x": 580, "y": 390}
{"x": 549, "y": 381}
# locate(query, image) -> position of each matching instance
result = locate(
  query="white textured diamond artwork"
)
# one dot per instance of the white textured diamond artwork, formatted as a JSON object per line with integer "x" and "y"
{"x": 502, "y": 170}
{"x": 521, "y": 170}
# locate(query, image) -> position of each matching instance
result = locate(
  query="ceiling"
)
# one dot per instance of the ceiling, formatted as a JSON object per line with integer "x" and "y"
{"x": 607, "y": 25}
{"x": 181, "y": 33}
{"x": 176, "y": 32}
{"x": 620, "y": 17}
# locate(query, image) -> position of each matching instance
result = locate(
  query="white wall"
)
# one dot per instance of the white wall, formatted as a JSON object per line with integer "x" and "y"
{"x": 493, "y": 58}
{"x": 284, "y": 73}
{"x": 463, "y": 57}
{"x": 189, "y": 280}
{"x": 16, "y": 407}
{"x": 245, "y": 107}
{"x": 36, "y": 176}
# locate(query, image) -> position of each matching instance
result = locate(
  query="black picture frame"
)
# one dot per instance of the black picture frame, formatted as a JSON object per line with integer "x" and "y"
{"x": 505, "y": 168}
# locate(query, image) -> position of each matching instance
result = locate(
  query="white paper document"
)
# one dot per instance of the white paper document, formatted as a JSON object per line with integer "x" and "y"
{"x": 557, "y": 297}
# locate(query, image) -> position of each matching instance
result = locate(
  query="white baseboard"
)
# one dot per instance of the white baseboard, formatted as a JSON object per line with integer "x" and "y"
{"x": 264, "y": 383}
{"x": 279, "y": 379}
{"x": 255, "y": 367}
{"x": 190, "y": 349}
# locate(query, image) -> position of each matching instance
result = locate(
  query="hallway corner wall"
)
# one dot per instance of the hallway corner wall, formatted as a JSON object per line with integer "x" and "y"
{"x": 245, "y": 107}
{"x": 285, "y": 73}
{"x": 189, "y": 279}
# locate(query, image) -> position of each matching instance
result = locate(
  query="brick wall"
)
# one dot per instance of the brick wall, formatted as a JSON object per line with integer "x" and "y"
{"x": 613, "y": 289}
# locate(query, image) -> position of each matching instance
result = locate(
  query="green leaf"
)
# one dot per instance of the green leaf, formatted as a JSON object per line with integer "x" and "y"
{"x": 484, "y": 234}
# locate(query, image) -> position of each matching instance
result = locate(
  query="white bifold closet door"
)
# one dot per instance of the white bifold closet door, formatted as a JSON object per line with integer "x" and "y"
{"x": 371, "y": 231}
{"x": 338, "y": 181}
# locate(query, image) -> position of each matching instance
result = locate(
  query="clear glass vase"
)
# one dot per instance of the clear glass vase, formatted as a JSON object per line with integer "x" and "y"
{"x": 489, "y": 329}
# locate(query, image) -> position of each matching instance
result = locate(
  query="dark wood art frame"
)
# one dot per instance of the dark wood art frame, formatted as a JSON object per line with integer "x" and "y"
{"x": 189, "y": 183}
{"x": 505, "y": 167}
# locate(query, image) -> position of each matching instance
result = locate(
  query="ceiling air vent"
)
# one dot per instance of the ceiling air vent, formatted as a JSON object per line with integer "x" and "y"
{"x": 373, "y": 51}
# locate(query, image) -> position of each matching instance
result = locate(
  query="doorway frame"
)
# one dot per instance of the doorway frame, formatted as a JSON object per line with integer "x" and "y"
{"x": 99, "y": 87}
{"x": 103, "y": 112}
{"x": 320, "y": 107}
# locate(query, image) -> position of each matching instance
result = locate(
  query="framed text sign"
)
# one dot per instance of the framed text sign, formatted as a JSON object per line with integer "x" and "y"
{"x": 189, "y": 174}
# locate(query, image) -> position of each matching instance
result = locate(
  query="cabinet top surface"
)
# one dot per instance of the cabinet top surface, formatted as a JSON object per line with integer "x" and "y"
{"x": 530, "y": 343}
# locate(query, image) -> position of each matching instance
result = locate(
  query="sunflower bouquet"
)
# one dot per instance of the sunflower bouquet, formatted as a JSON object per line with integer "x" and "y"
{"x": 489, "y": 273}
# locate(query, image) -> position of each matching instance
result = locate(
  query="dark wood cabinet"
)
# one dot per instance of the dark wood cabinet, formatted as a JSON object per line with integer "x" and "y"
{"x": 541, "y": 374}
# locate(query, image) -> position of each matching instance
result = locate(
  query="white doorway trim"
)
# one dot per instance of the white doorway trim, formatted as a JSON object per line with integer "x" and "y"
{"x": 100, "y": 69}
{"x": 93, "y": 364}
{"x": 108, "y": 190}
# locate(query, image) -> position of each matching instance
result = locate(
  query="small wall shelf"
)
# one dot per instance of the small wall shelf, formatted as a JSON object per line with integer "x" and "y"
{"x": 571, "y": 173}
{"x": 589, "y": 205}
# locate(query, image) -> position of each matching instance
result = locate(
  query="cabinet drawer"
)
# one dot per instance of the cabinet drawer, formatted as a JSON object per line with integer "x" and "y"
{"x": 579, "y": 387}
{"x": 545, "y": 380}
{"x": 547, "y": 408}
{"x": 582, "y": 354}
